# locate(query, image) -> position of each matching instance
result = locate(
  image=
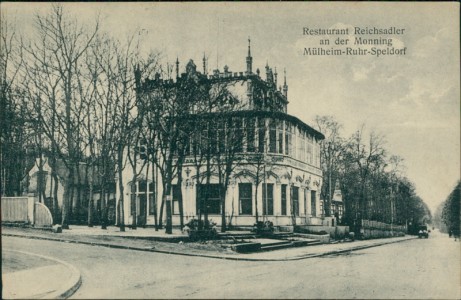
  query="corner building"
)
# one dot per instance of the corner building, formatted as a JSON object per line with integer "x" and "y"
{"x": 277, "y": 176}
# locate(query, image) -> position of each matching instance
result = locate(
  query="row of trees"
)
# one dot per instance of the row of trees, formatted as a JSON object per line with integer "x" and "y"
{"x": 74, "y": 95}
{"x": 372, "y": 181}
{"x": 67, "y": 92}
{"x": 448, "y": 215}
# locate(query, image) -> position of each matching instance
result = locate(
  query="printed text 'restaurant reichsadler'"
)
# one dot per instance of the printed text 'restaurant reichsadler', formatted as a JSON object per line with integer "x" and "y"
{"x": 357, "y": 31}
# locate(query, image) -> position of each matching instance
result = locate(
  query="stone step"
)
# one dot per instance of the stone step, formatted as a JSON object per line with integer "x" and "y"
{"x": 278, "y": 242}
{"x": 288, "y": 244}
{"x": 275, "y": 247}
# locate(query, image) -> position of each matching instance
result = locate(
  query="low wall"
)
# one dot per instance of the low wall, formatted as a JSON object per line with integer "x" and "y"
{"x": 378, "y": 233}
{"x": 376, "y": 230}
{"x": 323, "y": 238}
{"x": 336, "y": 232}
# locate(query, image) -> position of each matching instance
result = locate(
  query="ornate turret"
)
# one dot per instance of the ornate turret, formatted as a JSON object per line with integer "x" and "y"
{"x": 191, "y": 67}
{"x": 249, "y": 59}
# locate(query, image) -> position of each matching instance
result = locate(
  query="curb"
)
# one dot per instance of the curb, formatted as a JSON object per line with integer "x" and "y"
{"x": 209, "y": 255}
{"x": 68, "y": 287}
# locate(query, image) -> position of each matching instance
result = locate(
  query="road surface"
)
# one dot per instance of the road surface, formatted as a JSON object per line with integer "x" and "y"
{"x": 416, "y": 269}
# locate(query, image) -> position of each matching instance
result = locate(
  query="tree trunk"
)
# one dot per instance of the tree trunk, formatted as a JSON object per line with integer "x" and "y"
{"x": 67, "y": 200}
{"x": 180, "y": 199}
{"x": 55, "y": 196}
{"x": 256, "y": 196}
{"x": 162, "y": 207}
{"x": 168, "y": 227}
{"x": 121, "y": 188}
{"x": 78, "y": 199}
{"x": 90, "y": 198}
{"x": 154, "y": 195}
{"x": 133, "y": 203}
{"x": 222, "y": 194}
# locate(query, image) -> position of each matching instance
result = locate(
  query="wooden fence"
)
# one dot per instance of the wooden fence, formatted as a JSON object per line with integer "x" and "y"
{"x": 16, "y": 209}
{"x": 26, "y": 211}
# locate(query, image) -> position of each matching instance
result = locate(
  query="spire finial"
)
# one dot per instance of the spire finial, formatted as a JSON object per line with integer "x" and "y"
{"x": 249, "y": 58}
{"x": 285, "y": 86}
{"x": 249, "y": 47}
{"x": 204, "y": 64}
{"x": 177, "y": 67}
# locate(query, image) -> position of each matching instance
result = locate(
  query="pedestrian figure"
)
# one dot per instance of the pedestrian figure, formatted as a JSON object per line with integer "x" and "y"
{"x": 455, "y": 232}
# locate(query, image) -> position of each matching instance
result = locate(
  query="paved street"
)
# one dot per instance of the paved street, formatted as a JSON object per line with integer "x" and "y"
{"x": 421, "y": 269}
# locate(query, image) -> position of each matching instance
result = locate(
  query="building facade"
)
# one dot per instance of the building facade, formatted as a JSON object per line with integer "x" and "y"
{"x": 276, "y": 172}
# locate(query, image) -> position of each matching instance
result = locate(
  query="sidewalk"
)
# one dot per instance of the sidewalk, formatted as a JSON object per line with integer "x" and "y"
{"x": 147, "y": 239}
{"x": 31, "y": 276}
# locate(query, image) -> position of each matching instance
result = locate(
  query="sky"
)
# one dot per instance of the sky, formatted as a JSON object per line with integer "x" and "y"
{"x": 413, "y": 100}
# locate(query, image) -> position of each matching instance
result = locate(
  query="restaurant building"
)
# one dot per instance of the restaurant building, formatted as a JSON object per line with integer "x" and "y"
{"x": 277, "y": 175}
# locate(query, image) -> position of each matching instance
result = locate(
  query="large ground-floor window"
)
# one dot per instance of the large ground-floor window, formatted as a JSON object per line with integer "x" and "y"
{"x": 245, "y": 199}
{"x": 268, "y": 198}
{"x": 305, "y": 201}
{"x": 140, "y": 192}
{"x": 295, "y": 199}
{"x": 176, "y": 190}
{"x": 208, "y": 199}
{"x": 313, "y": 203}
{"x": 284, "y": 199}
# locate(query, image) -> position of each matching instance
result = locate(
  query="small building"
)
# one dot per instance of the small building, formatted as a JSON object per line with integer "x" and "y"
{"x": 41, "y": 184}
{"x": 337, "y": 204}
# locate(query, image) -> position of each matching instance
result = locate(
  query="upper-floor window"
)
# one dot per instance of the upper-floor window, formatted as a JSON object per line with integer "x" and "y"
{"x": 288, "y": 139}
{"x": 280, "y": 136}
{"x": 272, "y": 136}
{"x": 317, "y": 154}
{"x": 237, "y": 137}
{"x": 309, "y": 150}
{"x": 261, "y": 135}
{"x": 250, "y": 134}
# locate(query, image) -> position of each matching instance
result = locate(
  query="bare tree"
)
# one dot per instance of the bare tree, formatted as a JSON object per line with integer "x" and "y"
{"x": 52, "y": 64}
{"x": 331, "y": 149}
{"x": 14, "y": 125}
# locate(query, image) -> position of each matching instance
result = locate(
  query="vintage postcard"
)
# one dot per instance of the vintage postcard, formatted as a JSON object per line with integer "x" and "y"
{"x": 230, "y": 150}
